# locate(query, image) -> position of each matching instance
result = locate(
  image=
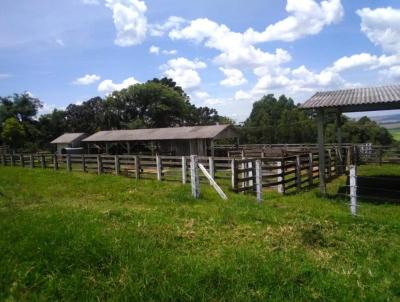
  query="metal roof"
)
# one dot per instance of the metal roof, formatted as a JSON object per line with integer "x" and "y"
{"x": 155, "y": 134}
{"x": 357, "y": 99}
{"x": 68, "y": 138}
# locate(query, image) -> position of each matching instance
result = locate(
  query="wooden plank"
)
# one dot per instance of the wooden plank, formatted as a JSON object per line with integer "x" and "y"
{"x": 117, "y": 165}
{"x": 194, "y": 176}
{"x": 68, "y": 158}
{"x": 137, "y": 167}
{"x": 184, "y": 170}
{"x": 159, "y": 168}
{"x": 321, "y": 151}
{"x": 258, "y": 183}
{"x": 212, "y": 182}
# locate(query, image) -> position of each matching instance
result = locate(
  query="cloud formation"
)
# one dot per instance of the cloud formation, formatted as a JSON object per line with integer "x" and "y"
{"x": 87, "y": 79}
{"x": 108, "y": 86}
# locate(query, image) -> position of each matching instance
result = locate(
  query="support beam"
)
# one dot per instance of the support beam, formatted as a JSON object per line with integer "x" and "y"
{"x": 338, "y": 126}
{"x": 321, "y": 151}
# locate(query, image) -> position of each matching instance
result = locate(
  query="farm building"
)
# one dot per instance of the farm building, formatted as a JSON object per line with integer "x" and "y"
{"x": 69, "y": 142}
{"x": 167, "y": 141}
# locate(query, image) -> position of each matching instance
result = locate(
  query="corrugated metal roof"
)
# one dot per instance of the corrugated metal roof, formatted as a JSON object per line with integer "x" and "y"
{"x": 68, "y": 138}
{"x": 196, "y": 132}
{"x": 354, "y": 97}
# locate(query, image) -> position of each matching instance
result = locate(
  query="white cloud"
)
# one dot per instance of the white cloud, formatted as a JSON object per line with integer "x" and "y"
{"x": 87, "y": 79}
{"x": 108, "y": 86}
{"x": 129, "y": 20}
{"x": 364, "y": 60}
{"x": 90, "y": 2}
{"x": 234, "y": 77}
{"x": 157, "y": 50}
{"x": 214, "y": 102}
{"x": 154, "y": 49}
{"x": 382, "y": 27}
{"x": 60, "y": 42}
{"x": 241, "y": 95}
{"x": 173, "y": 22}
{"x": 183, "y": 71}
{"x": 306, "y": 17}
{"x": 392, "y": 73}
{"x": 201, "y": 95}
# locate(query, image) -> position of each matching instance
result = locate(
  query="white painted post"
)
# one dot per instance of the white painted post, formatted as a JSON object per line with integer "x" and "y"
{"x": 250, "y": 183}
{"x": 137, "y": 167}
{"x": 298, "y": 172}
{"x": 159, "y": 167}
{"x": 234, "y": 174}
{"x": 42, "y": 162}
{"x": 117, "y": 165}
{"x": 279, "y": 171}
{"x": 212, "y": 182}
{"x": 69, "y": 163}
{"x": 310, "y": 169}
{"x": 99, "y": 165}
{"x": 353, "y": 190}
{"x": 211, "y": 167}
{"x": 194, "y": 176}
{"x": 184, "y": 170}
{"x": 259, "y": 181}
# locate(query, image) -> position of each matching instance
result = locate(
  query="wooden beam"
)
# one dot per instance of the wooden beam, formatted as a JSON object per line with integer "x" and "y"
{"x": 212, "y": 182}
{"x": 321, "y": 151}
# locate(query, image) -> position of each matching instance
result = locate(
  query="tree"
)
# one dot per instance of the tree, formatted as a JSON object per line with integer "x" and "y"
{"x": 13, "y": 133}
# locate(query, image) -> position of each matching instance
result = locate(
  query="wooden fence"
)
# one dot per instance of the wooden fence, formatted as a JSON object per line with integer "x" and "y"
{"x": 286, "y": 174}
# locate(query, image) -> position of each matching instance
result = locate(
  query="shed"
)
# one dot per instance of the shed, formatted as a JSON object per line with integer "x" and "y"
{"x": 68, "y": 140}
{"x": 172, "y": 141}
{"x": 348, "y": 100}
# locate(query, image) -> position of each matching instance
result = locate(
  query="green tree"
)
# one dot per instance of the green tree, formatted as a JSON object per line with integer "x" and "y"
{"x": 13, "y": 133}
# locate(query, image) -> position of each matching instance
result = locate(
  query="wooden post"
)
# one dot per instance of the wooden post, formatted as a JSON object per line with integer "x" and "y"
{"x": 258, "y": 184}
{"x": 159, "y": 167}
{"x": 211, "y": 167}
{"x": 69, "y": 167}
{"x": 212, "y": 182}
{"x": 321, "y": 151}
{"x": 184, "y": 170}
{"x": 55, "y": 162}
{"x": 137, "y": 167}
{"x": 12, "y": 160}
{"x": 3, "y": 159}
{"x": 234, "y": 174}
{"x": 298, "y": 172}
{"x": 194, "y": 176}
{"x": 329, "y": 164}
{"x": 99, "y": 165}
{"x": 83, "y": 163}
{"x": 31, "y": 161}
{"x": 280, "y": 171}
{"x": 353, "y": 190}
{"x": 348, "y": 158}
{"x": 310, "y": 169}
{"x": 339, "y": 159}
{"x": 42, "y": 162}
{"x": 21, "y": 159}
{"x": 117, "y": 165}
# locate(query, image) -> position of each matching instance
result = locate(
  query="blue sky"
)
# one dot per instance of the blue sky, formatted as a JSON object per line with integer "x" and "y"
{"x": 226, "y": 54}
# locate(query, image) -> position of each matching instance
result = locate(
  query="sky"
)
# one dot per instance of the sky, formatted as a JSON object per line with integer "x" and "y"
{"x": 226, "y": 54}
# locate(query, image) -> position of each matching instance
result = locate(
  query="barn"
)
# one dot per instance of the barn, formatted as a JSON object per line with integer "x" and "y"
{"x": 177, "y": 141}
{"x": 69, "y": 142}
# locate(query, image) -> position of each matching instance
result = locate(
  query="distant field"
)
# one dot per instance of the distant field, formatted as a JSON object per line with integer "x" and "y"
{"x": 82, "y": 237}
{"x": 395, "y": 133}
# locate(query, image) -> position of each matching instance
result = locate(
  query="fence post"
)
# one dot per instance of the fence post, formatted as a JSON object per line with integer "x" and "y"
{"x": 99, "y": 165}
{"x": 3, "y": 159}
{"x": 12, "y": 160}
{"x": 329, "y": 165}
{"x": 310, "y": 169}
{"x": 55, "y": 162}
{"x": 234, "y": 174}
{"x": 298, "y": 172}
{"x": 69, "y": 167}
{"x": 137, "y": 167}
{"x": 21, "y": 159}
{"x": 31, "y": 161}
{"x": 83, "y": 163}
{"x": 42, "y": 162}
{"x": 348, "y": 158}
{"x": 184, "y": 170}
{"x": 194, "y": 176}
{"x": 259, "y": 181}
{"x": 159, "y": 167}
{"x": 353, "y": 190}
{"x": 280, "y": 170}
{"x": 211, "y": 167}
{"x": 117, "y": 166}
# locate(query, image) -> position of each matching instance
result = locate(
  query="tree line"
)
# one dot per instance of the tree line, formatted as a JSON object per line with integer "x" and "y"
{"x": 162, "y": 103}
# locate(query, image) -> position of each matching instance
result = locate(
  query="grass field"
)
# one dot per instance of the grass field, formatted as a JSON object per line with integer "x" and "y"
{"x": 86, "y": 237}
{"x": 395, "y": 133}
